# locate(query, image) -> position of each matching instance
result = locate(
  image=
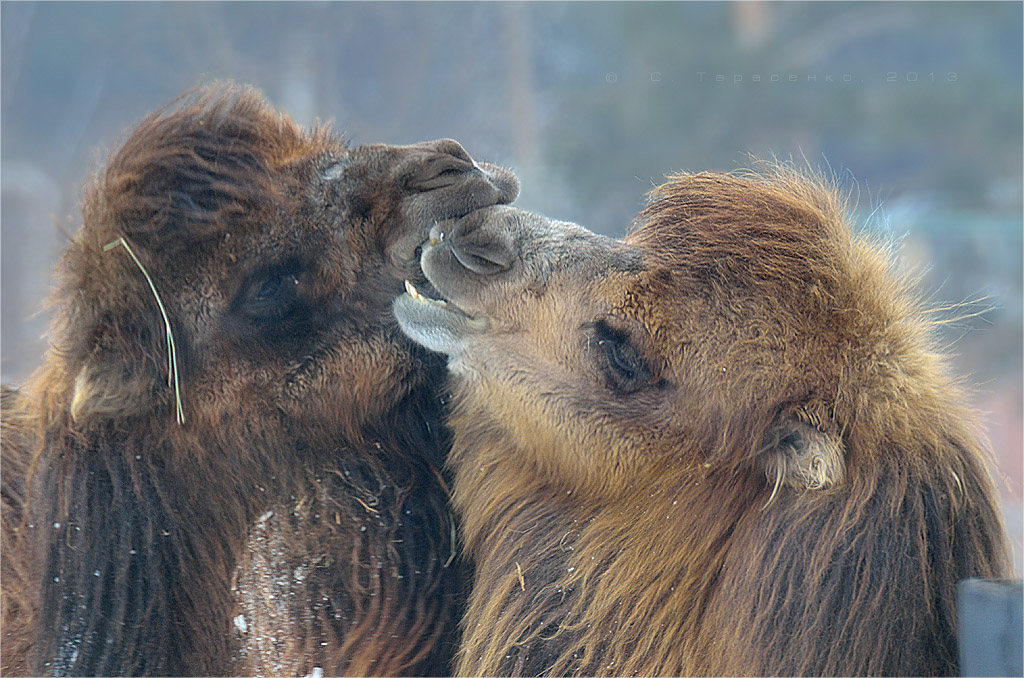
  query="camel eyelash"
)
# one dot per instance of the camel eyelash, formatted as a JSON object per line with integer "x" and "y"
{"x": 624, "y": 365}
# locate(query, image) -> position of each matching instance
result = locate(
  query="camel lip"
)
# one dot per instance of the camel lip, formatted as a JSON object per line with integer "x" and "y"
{"x": 435, "y": 323}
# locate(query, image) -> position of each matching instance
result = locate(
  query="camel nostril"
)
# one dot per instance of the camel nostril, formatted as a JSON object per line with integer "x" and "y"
{"x": 453, "y": 147}
{"x": 482, "y": 257}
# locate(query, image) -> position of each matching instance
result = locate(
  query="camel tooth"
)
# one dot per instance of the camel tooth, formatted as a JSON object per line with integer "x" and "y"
{"x": 413, "y": 292}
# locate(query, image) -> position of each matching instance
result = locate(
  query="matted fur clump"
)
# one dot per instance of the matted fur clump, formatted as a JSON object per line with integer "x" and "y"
{"x": 724, "y": 445}
{"x": 229, "y": 461}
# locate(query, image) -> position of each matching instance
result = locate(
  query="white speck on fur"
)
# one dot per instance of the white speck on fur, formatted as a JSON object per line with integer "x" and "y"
{"x": 240, "y": 623}
{"x": 334, "y": 172}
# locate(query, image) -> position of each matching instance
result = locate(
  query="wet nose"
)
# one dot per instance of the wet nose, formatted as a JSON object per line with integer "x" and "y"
{"x": 482, "y": 243}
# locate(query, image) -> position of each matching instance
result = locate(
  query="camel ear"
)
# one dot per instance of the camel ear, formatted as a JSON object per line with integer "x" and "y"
{"x": 106, "y": 390}
{"x": 800, "y": 456}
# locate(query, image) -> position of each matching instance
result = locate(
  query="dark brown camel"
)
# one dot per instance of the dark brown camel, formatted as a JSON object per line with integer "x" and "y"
{"x": 229, "y": 459}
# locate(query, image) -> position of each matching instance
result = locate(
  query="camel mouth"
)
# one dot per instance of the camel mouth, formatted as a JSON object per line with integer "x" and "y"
{"x": 440, "y": 304}
{"x": 485, "y": 185}
{"x": 436, "y": 324}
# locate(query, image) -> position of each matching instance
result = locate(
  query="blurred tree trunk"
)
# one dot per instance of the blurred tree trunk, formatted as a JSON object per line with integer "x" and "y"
{"x": 519, "y": 83}
{"x": 751, "y": 23}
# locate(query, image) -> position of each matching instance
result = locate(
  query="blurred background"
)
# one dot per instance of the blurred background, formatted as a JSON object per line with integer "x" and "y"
{"x": 915, "y": 107}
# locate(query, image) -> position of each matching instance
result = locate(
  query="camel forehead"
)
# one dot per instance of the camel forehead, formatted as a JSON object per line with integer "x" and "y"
{"x": 647, "y": 296}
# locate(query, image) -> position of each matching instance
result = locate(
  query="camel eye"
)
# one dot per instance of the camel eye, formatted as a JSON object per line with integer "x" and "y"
{"x": 271, "y": 294}
{"x": 623, "y": 363}
{"x": 268, "y": 290}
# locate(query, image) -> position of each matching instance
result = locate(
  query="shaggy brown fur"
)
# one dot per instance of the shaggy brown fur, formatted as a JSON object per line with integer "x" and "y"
{"x": 725, "y": 445}
{"x": 296, "y": 517}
